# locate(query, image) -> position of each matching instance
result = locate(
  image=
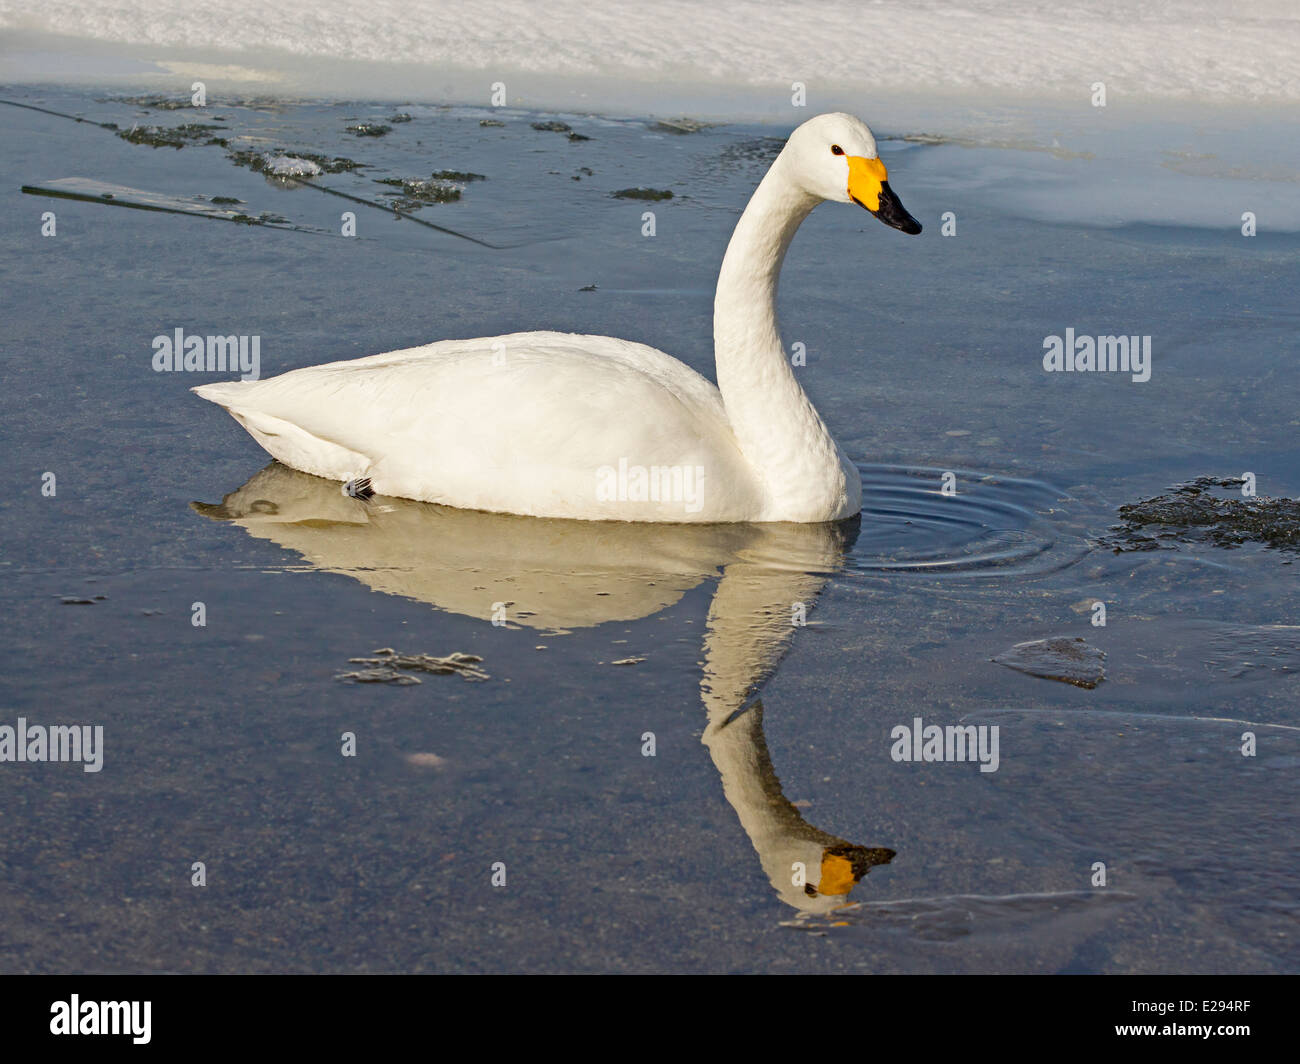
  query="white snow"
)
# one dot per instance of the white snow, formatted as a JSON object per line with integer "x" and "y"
{"x": 742, "y": 50}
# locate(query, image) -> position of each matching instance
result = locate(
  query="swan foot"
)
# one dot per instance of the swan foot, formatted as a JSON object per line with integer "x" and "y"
{"x": 359, "y": 488}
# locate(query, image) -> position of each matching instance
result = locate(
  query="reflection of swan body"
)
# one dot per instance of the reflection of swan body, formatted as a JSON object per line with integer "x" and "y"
{"x": 591, "y": 427}
{"x": 555, "y": 574}
{"x": 566, "y": 574}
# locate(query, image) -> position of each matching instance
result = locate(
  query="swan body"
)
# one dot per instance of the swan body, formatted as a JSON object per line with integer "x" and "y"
{"x": 520, "y": 429}
{"x": 562, "y": 425}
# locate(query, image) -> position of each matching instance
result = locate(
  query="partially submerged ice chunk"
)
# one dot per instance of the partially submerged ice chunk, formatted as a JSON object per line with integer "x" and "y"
{"x": 1070, "y": 660}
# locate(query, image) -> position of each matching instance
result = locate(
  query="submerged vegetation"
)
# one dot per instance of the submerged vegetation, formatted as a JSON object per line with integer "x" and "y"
{"x": 172, "y": 136}
{"x": 457, "y": 175}
{"x": 555, "y": 127}
{"x": 642, "y": 194}
{"x": 1196, "y": 513}
{"x": 419, "y": 192}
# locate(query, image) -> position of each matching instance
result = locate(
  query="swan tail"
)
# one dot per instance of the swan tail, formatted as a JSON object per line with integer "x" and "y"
{"x": 286, "y": 442}
{"x": 221, "y": 392}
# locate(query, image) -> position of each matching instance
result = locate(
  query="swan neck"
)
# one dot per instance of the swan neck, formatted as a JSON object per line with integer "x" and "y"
{"x": 751, "y": 267}
{"x": 802, "y": 473}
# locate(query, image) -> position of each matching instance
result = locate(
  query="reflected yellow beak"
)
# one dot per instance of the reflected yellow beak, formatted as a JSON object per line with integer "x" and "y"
{"x": 837, "y": 872}
{"x": 866, "y": 178}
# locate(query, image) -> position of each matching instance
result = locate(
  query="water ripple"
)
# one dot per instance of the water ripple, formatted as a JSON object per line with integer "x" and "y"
{"x": 991, "y": 524}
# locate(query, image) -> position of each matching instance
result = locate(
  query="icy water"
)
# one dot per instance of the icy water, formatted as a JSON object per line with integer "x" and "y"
{"x": 223, "y": 742}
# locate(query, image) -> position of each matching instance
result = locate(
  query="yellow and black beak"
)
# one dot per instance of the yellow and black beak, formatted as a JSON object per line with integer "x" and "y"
{"x": 869, "y": 188}
{"x": 844, "y": 865}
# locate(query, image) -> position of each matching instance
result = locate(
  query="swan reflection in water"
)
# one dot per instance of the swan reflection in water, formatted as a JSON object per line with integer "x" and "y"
{"x": 561, "y": 575}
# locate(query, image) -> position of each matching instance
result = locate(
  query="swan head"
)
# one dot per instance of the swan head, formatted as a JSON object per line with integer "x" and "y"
{"x": 834, "y": 157}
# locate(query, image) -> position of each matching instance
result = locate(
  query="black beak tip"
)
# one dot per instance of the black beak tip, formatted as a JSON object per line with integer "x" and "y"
{"x": 893, "y": 214}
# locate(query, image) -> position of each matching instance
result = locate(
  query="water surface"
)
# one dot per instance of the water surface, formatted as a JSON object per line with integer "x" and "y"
{"x": 772, "y": 739}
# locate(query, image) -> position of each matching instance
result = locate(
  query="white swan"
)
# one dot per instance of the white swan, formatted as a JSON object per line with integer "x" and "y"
{"x": 564, "y": 425}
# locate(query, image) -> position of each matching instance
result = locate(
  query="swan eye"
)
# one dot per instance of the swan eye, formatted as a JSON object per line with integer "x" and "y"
{"x": 836, "y": 150}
